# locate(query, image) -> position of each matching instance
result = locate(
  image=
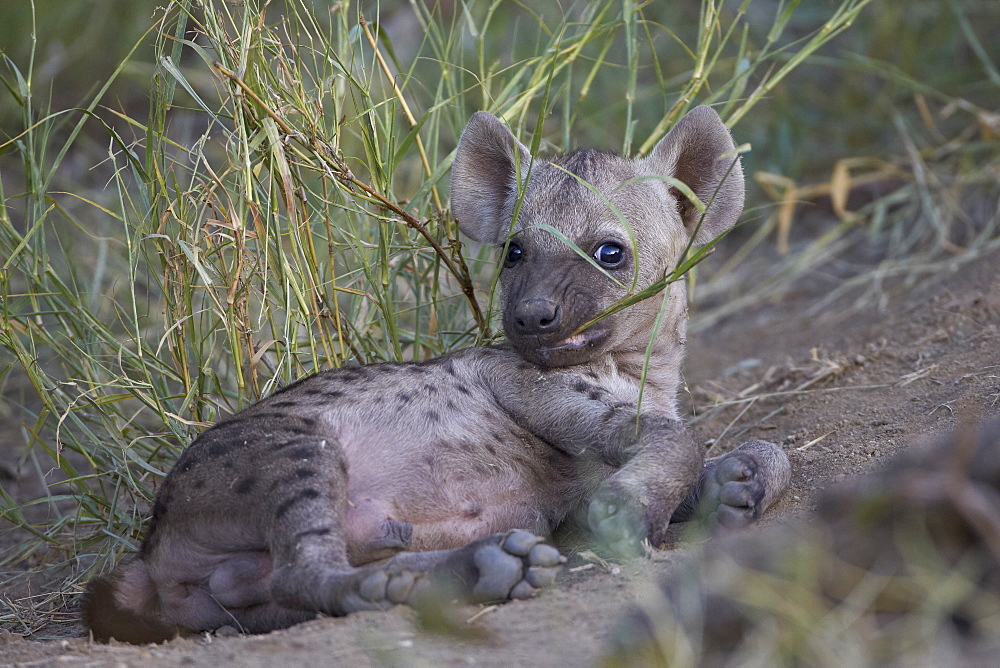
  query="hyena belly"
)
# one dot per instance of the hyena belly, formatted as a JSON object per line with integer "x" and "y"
{"x": 432, "y": 462}
{"x": 428, "y": 445}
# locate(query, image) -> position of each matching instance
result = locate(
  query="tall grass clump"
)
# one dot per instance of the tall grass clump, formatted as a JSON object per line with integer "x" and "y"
{"x": 283, "y": 208}
{"x": 887, "y": 173}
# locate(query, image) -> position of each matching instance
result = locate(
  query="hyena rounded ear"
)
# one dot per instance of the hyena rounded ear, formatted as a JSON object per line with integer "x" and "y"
{"x": 693, "y": 152}
{"x": 488, "y": 162}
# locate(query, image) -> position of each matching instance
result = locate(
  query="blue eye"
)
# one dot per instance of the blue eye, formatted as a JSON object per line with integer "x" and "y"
{"x": 610, "y": 254}
{"x": 514, "y": 253}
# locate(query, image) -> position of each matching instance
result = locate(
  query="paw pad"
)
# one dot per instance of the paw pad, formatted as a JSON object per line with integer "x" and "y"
{"x": 516, "y": 568}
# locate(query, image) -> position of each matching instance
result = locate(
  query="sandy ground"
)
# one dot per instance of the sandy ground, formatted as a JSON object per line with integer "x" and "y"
{"x": 846, "y": 390}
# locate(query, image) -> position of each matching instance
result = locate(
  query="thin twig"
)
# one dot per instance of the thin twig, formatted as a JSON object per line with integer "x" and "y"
{"x": 402, "y": 103}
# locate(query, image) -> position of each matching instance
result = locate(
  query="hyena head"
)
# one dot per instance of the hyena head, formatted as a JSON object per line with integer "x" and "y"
{"x": 585, "y": 229}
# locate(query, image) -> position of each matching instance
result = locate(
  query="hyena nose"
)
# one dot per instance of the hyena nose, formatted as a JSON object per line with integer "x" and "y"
{"x": 536, "y": 316}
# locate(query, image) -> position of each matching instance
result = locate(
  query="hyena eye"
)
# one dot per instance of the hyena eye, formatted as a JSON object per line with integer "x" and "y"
{"x": 513, "y": 253}
{"x": 610, "y": 254}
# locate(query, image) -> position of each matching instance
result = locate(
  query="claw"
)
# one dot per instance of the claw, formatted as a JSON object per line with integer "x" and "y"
{"x": 545, "y": 555}
{"x": 522, "y": 591}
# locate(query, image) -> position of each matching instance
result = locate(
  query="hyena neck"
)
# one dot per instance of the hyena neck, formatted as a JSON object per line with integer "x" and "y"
{"x": 656, "y": 368}
{"x": 658, "y": 380}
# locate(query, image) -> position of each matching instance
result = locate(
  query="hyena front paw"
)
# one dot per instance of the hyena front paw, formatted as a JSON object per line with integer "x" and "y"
{"x": 514, "y": 566}
{"x": 733, "y": 491}
{"x": 617, "y": 525}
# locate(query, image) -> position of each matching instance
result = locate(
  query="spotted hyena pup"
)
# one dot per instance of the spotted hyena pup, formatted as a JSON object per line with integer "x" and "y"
{"x": 354, "y": 488}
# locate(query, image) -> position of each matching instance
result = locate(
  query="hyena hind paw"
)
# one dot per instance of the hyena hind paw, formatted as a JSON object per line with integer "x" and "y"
{"x": 381, "y": 590}
{"x": 516, "y": 566}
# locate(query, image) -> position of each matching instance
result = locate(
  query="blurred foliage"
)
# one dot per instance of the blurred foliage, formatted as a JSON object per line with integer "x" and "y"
{"x": 77, "y": 46}
{"x": 842, "y": 102}
{"x": 839, "y": 104}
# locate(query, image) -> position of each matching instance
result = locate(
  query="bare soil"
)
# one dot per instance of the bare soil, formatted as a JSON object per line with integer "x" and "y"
{"x": 840, "y": 392}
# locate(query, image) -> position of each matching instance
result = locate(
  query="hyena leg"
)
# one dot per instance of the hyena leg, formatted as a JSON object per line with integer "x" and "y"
{"x": 308, "y": 544}
{"x": 311, "y": 570}
{"x": 638, "y": 501}
{"x": 736, "y": 488}
{"x": 503, "y": 567}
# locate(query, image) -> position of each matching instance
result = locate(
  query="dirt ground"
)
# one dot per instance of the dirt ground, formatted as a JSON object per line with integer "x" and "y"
{"x": 840, "y": 392}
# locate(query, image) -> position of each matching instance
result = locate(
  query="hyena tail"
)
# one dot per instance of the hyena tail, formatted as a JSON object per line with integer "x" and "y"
{"x": 124, "y": 605}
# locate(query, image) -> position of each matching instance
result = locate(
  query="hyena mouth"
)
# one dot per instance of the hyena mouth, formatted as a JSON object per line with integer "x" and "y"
{"x": 577, "y": 341}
